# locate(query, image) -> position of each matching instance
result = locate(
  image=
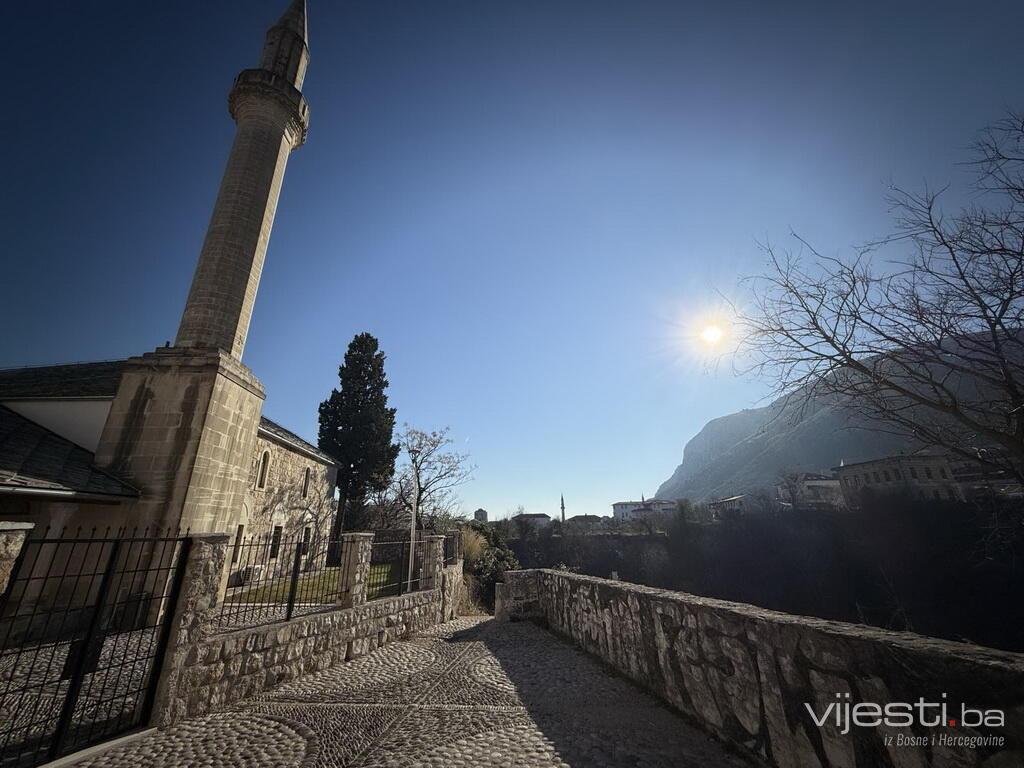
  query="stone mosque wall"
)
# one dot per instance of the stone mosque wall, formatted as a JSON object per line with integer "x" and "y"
{"x": 760, "y": 679}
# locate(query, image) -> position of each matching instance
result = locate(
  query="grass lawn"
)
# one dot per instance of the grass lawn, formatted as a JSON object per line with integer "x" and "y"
{"x": 320, "y": 586}
{"x": 311, "y": 587}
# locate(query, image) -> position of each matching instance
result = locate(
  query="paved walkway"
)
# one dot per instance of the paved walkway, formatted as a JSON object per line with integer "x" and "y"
{"x": 470, "y": 694}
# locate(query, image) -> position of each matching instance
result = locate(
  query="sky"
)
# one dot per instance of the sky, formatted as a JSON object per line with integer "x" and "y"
{"x": 533, "y": 204}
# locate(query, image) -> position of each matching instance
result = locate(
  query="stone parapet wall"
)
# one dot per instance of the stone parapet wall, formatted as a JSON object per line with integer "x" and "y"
{"x": 745, "y": 673}
{"x": 205, "y": 671}
{"x": 223, "y": 669}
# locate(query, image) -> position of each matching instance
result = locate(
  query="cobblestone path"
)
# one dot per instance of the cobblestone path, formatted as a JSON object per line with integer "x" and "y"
{"x": 469, "y": 694}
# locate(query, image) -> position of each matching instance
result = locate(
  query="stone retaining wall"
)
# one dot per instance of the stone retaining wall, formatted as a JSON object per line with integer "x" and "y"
{"x": 745, "y": 673}
{"x": 206, "y": 671}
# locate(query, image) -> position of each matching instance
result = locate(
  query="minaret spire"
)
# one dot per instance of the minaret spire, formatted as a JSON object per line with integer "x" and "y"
{"x": 563, "y": 507}
{"x": 272, "y": 118}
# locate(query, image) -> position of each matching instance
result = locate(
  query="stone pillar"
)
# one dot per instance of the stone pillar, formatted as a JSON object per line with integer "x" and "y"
{"x": 433, "y": 562}
{"x": 356, "y": 549}
{"x": 198, "y": 598}
{"x": 12, "y": 538}
{"x": 518, "y": 597}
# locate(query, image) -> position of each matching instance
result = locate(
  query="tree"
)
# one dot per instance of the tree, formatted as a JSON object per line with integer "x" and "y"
{"x": 926, "y": 344}
{"x": 356, "y": 429}
{"x": 427, "y": 481}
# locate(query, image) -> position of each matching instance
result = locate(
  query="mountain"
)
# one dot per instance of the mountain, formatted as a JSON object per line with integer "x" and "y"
{"x": 749, "y": 450}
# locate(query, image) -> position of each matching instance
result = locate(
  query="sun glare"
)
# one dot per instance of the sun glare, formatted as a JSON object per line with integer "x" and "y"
{"x": 711, "y": 335}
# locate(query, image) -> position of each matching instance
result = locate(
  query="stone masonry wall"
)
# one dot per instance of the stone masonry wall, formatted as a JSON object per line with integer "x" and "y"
{"x": 204, "y": 672}
{"x": 280, "y": 501}
{"x": 223, "y": 669}
{"x": 745, "y": 673}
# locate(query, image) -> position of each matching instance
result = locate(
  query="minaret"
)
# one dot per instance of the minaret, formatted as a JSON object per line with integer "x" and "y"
{"x": 182, "y": 426}
{"x": 272, "y": 118}
{"x": 563, "y": 507}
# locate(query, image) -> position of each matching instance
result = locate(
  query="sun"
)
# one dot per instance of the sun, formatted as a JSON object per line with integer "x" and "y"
{"x": 712, "y": 335}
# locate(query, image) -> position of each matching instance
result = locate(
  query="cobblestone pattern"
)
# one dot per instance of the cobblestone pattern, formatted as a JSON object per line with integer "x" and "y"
{"x": 745, "y": 673}
{"x": 470, "y": 693}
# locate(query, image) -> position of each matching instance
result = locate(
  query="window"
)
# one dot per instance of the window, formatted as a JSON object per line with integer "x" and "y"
{"x": 942, "y": 472}
{"x": 897, "y": 473}
{"x": 885, "y": 473}
{"x": 913, "y": 472}
{"x": 261, "y": 477}
{"x": 305, "y": 482}
{"x": 949, "y": 492}
{"x": 238, "y": 544}
{"x": 928, "y": 472}
{"x": 306, "y": 533}
{"x": 275, "y": 542}
{"x": 875, "y": 476}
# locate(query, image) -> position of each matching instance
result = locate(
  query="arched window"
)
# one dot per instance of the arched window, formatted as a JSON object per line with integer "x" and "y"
{"x": 261, "y": 477}
{"x": 305, "y": 482}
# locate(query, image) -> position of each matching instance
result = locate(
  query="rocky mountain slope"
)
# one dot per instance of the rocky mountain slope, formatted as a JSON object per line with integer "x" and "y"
{"x": 749, "y": 450}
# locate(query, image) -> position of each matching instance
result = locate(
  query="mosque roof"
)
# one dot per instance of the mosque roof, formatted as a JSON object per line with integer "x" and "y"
{"x": 36, "y": 461}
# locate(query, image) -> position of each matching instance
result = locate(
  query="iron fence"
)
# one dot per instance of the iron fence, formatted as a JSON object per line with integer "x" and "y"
{"x": 84, "y": 625}
{"x": 275, "y": 577}
{"x": 452, "y": 547}
{"x": 390, "y": 573}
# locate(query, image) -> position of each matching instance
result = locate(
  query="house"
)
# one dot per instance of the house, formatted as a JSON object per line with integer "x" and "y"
{"x": 927, "y": 475}
{"x": 811, "y": 491}
{"x": 530, "y": 520}
{"x": 630, "y": 511}
{"x": 585, "y": 522}
{"x": 728, "y": 507}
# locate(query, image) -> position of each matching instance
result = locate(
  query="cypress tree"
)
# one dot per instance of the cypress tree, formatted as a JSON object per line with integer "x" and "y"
{"x": 356, "y": 428}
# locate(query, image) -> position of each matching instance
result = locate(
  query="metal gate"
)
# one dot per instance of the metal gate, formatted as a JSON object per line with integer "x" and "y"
{"x": 84, "y": 626}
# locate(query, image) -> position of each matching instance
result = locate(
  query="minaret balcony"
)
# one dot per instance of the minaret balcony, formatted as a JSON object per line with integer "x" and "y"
{"x": 264, "y": 84}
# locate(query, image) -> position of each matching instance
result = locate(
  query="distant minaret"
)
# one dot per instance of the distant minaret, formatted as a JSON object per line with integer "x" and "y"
{"x": 272, "y": 118}
{"x": 563, "y": 507}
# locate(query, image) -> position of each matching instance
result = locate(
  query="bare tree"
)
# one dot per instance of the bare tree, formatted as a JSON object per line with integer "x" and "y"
{"x": 926, "y": 343}
{"x": 427, "y": 482}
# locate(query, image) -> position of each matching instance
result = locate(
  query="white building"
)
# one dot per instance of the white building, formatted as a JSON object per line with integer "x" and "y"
{"x": 628, "y": 511}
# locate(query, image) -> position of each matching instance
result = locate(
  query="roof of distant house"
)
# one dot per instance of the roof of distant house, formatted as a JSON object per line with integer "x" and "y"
{"x": 728, "y": 498}
{"x": 531, "y": 516}
{"x": 36, "y": 461}
{"x": 585, "y": 518}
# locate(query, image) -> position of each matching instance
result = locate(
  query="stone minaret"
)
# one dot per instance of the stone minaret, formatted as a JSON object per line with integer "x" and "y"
{"x": 182, "y": 427}
{"x": 563, "y": 507}
{"x": 272, "y": 118}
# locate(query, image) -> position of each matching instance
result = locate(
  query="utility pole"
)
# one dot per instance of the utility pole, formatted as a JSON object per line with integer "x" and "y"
{"x": 413, "y": 456}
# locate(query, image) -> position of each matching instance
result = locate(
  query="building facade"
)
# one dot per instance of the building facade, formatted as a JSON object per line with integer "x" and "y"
{"x": 812, "y": 491}
{"x": 630, "y": 511}
{"x": 923, "y": 475}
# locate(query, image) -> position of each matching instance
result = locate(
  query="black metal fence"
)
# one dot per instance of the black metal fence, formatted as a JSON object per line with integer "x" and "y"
{"x": 275, "y": 577}
{"x": 452, "y": 547}
{"x": 390, "y": 573}
{"x": 84, "y": 625}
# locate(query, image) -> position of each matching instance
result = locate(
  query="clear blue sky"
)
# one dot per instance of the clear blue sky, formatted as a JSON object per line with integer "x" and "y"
{"x": 525, "y": 201}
